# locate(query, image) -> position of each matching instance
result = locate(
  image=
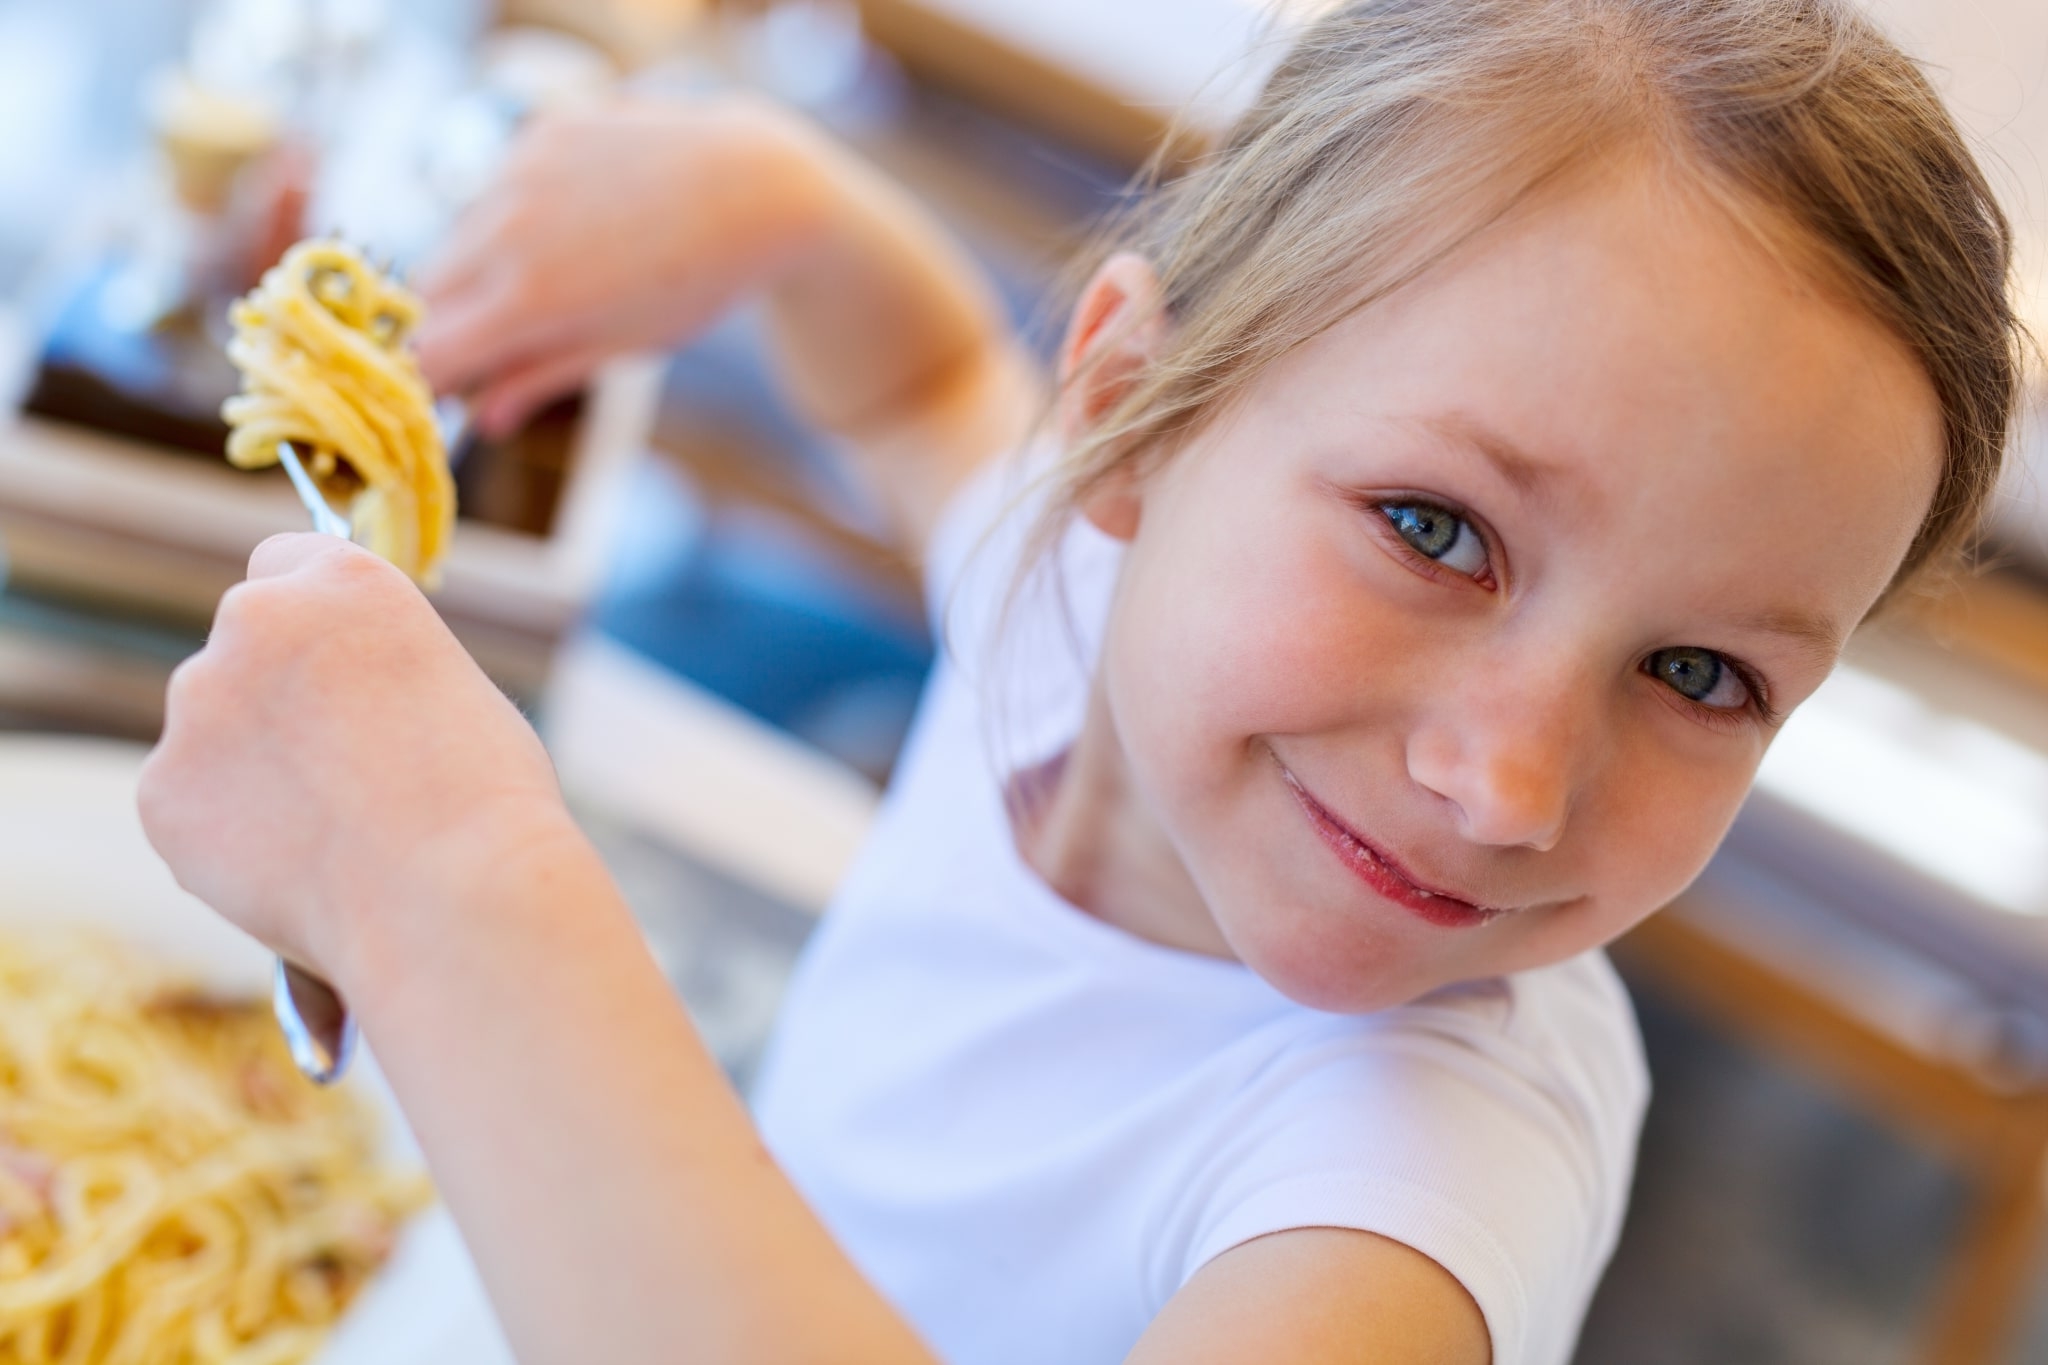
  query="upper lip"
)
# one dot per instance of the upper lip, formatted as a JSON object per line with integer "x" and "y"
{"x": 1387, "y": 859}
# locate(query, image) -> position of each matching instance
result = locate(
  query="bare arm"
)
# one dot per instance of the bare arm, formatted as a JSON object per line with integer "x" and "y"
{"x": 639, "y": 223}
{"x": 1319, "y": 1296}
{"x": 618, "y": 1201}
{"x": 338, "y": 778}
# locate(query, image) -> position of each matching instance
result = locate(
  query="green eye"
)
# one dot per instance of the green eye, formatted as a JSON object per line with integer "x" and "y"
{"x": 1436, "y": 532}
{"x": 1699, "y": 675}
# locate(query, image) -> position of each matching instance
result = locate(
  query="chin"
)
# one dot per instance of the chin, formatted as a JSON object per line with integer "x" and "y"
{"x": 1350, "y": 995}
{"x": 1338, "y": 977}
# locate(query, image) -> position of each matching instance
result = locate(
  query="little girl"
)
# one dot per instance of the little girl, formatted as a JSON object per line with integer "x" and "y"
{"x": 1451, "y": 485}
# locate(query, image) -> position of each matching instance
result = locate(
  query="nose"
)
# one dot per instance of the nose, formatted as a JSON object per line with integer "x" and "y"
{"x": 1507, "y": 760}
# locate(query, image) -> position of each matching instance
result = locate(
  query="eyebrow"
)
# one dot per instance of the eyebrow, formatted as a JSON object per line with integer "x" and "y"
{"x": 1525, "y": 472}
{"x": 1815, "y": 631}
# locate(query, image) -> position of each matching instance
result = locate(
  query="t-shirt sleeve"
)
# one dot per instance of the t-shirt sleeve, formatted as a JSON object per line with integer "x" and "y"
{"x": 1499, "y": 1142}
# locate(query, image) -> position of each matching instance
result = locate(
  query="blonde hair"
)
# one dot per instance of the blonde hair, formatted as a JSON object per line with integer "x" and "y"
{"x": 1394, "y": 130}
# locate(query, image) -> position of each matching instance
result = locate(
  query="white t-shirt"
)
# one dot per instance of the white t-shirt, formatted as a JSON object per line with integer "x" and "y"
{"x": 1030, "y": 1128}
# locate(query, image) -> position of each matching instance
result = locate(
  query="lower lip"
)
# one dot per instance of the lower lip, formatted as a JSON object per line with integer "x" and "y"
{"x": 1446, "y": 912}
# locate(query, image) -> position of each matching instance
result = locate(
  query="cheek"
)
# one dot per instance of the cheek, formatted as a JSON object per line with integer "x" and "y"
{"x": 1662, "y": 816}
{"x": 1170, "y": 683}
{"x": 1249, "y": 626}
{"x": 1646, "y": 832}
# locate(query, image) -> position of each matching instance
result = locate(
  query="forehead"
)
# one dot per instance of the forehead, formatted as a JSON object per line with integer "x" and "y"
{"x": 1628, "y": 347}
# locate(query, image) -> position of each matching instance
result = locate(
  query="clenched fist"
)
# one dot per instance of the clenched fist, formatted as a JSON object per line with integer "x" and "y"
{"x": 333, "y": 757}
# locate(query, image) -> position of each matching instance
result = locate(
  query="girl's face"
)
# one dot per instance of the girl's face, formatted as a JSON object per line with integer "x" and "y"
{"x": 1452, "y": 649}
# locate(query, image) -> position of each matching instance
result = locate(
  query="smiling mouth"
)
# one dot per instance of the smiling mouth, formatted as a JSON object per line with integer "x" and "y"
{"x": 1377, "y": 869}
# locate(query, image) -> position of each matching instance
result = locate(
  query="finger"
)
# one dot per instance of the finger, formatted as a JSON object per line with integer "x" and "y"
{"x": 289, "y": 551}
{"x": 453, "y": 267}
{"x": 178, "y": 703}
{"x": 160, "y": 792}
{"x": 160, "y": 803}
{"x": 475, "y": 334}
{"x": 504, "y": 406}
{"x": 467, "y": 252}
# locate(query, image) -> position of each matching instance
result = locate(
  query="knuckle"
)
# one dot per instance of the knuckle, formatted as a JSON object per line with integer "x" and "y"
{"x": 244, "y": 609}
{"x": 153, "y": 793}
{"x": 256, "y": 624}
{"x": 162, "y": 801}
{"x": 180, "y": 692}
{"x": 229, "y": 613}
{"x": 358, "y": 571}
{"x": 275, "y": 553}
{"x": 202, "y": 704}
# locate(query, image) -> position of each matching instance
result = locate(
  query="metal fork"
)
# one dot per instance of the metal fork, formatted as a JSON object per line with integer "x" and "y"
{"x": 317, "y": 1025}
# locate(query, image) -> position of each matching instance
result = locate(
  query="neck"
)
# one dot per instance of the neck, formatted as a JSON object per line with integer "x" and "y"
{"x": 1084, "y": 827}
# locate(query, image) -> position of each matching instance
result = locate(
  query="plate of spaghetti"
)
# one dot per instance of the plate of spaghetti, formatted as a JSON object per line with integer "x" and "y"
{"x": 171, "y": 1191}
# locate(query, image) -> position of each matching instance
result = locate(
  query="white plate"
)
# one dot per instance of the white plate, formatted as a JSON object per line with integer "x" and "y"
{"x": 72, "y": 851}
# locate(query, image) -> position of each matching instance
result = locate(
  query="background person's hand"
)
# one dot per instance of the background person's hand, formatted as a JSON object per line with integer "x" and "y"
{"x": 611, "y": 228}
{"x": 333, "y": 753}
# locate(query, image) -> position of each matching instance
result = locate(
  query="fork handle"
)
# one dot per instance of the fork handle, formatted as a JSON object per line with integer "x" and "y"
{"x": 316, "y": 1024}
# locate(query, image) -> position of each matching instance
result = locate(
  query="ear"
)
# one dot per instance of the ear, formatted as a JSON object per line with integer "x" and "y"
{"x": 1118, "y": 328}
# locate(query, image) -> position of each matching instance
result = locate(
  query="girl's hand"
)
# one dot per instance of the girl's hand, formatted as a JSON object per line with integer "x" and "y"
{"x": 333, "y": 756}
{"x": 615, "y": 228}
